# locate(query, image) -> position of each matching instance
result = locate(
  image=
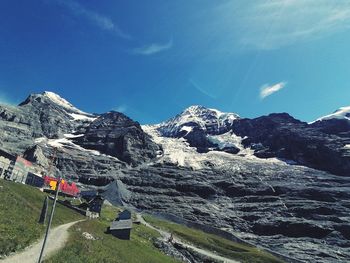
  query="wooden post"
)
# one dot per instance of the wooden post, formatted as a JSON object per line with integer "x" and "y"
{"x": 43, "y": 213}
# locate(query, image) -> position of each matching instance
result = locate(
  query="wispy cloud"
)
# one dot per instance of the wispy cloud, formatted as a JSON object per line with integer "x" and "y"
{"x": 121, "y": 108}
{"x": 279, "y": 23}
{"x": 202, "y": 90}
{"x": 5, "y": 99}
{"x": 267, "y": 90}
{"x": 153, "y": 48}
{"x": 267, "y": 25}
{"x": 100, "y": 20}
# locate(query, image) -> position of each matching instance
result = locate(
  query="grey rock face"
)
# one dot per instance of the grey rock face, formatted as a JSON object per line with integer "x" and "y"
{"x": 117, "y": 135}
{"x": 38, "y": 116}
{"x": 195, "y": 123}
{"x": 36, "y": 155}
{"x": 51, "y": 115}
{"x": 280, "y": 135}
{"x": 291, "y": 209}
{"x": 15, "y": 130}
{"x": 305, "y": 218}
{"x": 320, "y": 145}
{"x": 334, "y": 126}
{"x": 209, "y": 120}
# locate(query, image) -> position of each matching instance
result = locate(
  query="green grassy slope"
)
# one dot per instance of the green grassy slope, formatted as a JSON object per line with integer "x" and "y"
{"x": 20, "y": 207}
{"x": 223, "y": 247}
{"x": 106, "y": 248}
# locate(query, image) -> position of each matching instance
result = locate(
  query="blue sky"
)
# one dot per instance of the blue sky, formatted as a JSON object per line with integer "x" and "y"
{"x": 151, "y": 59}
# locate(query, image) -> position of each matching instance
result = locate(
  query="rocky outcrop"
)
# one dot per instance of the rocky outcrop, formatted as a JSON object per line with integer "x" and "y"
{"x": 282, "y": 136}
{"x": 117, "y": 135}
{"x": 319, "y": 145}
{"x": 333, "y": 126}
{"x": 40, "y": 115}
{"x": 51, "y": 116}
{"x": 209, "y": 120}
{"x": 196, "y": 123}
{"x": 36, "y": 155}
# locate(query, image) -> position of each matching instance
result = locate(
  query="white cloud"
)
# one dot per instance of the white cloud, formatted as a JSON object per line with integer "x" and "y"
{"x": 102, "y": 21}
{"x": 153, "y": 48}
{"x": 267, "y": 25}
{"x": 267, "y": 90}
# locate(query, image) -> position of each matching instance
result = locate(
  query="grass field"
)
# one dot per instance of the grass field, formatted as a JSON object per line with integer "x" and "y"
{"x": 223, "y": 247}
{"x": 20, "y": 207}
{"x": 106, "y": 248}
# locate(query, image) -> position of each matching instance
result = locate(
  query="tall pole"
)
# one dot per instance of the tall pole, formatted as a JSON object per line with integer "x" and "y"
{"x": 50, "y": 220}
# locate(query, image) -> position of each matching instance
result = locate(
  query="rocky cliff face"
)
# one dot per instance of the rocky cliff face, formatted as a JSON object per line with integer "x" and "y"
{"x": 88, "y": 145}
{"x": 250, "y": 177}
{"x": 196, "y": 123}
{"x": 319, "y": 145}
{"x": 209, "y": 120}
{"x": 337, "y": 127}
{"x": 280, "y": 135}
{"x": 116, "y": 135}
{"x": 52, "y": 116}
{"x": 40, "y": 115}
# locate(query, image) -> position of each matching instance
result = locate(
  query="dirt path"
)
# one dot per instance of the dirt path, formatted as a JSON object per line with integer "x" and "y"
{"x": 57, "y": 238}
{"x": 165, "y": 235}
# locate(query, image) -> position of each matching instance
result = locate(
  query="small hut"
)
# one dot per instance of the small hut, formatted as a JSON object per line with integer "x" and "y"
{"x": 121, "y": 226}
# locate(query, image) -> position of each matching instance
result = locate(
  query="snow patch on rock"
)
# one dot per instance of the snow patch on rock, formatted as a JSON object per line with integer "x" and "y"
{"x": 177, "y": 151}
{"x": 341, "y": 114}
{"x": 74, "y": 112}
{"x": 64, "y": 143}
{"x": 229, "y": 139}
{"x": 79, "y": 117}
{"x": 69, "y": 135}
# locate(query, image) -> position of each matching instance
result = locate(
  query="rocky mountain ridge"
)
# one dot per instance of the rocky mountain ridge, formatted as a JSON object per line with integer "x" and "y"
{"x": 250, "y": 177}
{"x": 321, "y": 145}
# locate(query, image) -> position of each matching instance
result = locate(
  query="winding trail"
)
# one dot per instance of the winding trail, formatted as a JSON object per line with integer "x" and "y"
{"x": 165, "y": 235}
{"x": 58, "y": 236}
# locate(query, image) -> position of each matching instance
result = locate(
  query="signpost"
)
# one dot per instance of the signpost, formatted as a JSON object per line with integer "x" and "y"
{"x": 50, "y": 220}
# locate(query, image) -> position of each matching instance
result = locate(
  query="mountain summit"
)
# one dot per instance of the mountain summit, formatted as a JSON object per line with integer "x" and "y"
{"x": 52, "y": 100}
{"x": 211, "y": 121}
{"x": 342, "y": 113}
{"x": 337, "y": 123}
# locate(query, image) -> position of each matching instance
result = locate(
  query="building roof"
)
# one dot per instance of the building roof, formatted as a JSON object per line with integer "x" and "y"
{"x": 7, "y": 155}
{"x": 121, "y": 224}
{"x": 126, "y": 214}
{"x": 88, "y": 193}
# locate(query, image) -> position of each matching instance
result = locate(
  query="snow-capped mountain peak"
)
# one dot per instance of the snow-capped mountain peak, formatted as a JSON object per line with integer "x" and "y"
{"x": 57, "y": 99}
{"x": 342, "y": 113}
{"x": 211, "y": 120}
{"x": 60, "y": 104}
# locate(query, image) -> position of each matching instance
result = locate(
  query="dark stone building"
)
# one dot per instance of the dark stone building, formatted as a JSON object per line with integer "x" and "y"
{"x": 122, "y": 225}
